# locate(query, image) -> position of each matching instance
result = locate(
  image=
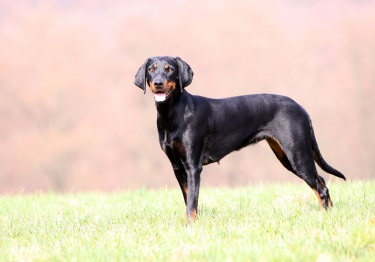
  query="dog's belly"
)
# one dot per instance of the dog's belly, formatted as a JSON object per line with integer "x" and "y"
{"x": 241, "y": 121}
{"x": 219, "y": 148}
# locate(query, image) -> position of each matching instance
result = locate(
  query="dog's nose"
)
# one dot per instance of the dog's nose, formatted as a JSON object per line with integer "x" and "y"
{"x": 158, "y": 84}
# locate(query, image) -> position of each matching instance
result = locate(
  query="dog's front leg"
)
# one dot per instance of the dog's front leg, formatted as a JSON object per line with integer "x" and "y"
{"x": 193, "y": 181}
{"x": 190, "y": 151}
{"x": 179, "y": 173}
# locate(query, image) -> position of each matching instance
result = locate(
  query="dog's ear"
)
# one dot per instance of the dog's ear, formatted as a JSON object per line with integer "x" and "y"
{"x": 140, "y": 77}
{"x": 185, "y": 73}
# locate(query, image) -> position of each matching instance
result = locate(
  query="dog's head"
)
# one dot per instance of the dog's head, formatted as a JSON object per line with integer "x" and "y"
{"x": 164, "y": 75}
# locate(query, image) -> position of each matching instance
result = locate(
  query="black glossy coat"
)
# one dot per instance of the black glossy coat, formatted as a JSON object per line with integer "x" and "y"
{"x": 196, "y": 131}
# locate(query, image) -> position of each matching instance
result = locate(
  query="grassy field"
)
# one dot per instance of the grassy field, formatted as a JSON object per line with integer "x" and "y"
{"x": 255, "y": 223}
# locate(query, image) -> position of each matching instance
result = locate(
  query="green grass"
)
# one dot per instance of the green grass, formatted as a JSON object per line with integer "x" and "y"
{"x": 255, "y": 223}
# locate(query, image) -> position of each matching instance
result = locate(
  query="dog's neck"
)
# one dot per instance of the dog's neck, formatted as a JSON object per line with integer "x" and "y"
{"x": 168, "y": 111}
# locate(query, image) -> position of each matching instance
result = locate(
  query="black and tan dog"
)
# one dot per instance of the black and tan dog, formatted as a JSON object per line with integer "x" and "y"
{"x": 195, "y": 131}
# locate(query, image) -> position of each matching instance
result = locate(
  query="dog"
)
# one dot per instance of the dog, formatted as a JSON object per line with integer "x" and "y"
{"x": 195, "y": 131}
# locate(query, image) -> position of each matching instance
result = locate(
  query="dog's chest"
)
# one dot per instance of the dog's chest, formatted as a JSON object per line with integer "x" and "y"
{"x": 174, "y": 144}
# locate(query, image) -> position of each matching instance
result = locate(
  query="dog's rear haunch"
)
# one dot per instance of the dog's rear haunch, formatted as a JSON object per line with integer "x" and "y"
{"x": 196, "y": 131}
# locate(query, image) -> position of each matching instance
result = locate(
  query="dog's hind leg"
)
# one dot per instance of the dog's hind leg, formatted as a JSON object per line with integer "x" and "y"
{"x": 304, "y": 167}
{"x": 279, "y": 152}
{"x": 299, "y": 160}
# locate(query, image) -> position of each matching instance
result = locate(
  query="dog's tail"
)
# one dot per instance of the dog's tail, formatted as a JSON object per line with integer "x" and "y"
{"x": 319, "y": 158}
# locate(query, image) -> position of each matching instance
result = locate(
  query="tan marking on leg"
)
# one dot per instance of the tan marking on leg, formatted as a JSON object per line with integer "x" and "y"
{"x": 193, "y": 216}
{"x": 275, "y": 145}
{"x": 329, "y": 202}
{"x": 319, "y": 199}
{"x": 320, "y": 182}
{"x": 185, "y": 192}
{"x": 280, "y": 153}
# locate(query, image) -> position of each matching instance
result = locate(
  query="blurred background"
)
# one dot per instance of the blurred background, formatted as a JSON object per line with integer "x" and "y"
{"x": 72, "y": 119}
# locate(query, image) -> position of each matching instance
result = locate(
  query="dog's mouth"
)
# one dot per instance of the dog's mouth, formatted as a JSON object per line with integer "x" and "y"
{"x": 160, "y": 96}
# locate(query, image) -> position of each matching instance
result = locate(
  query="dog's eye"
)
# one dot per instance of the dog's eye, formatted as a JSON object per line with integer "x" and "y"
{"x": 151, "y": 70}
{"x": 170, "y": 70}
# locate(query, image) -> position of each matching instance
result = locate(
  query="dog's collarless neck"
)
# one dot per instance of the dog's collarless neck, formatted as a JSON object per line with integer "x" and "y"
{"x": 169, "y": 110}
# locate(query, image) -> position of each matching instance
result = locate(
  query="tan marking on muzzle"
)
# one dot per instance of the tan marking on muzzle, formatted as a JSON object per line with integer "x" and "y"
{"x": 166, "y": 86}
{"x": 172, "y": 85}
{"x": 152, "y": 87}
